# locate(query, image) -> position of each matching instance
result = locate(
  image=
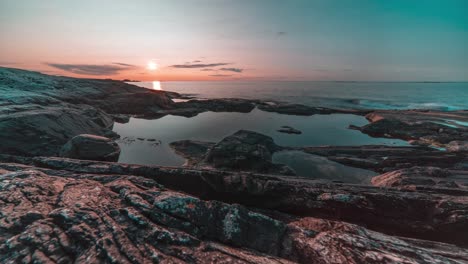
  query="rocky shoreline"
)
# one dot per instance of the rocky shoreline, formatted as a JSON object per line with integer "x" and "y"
{"x": 230, "y": 203}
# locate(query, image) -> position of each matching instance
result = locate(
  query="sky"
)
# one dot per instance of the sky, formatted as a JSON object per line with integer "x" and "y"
{"x": 322, "y": 40}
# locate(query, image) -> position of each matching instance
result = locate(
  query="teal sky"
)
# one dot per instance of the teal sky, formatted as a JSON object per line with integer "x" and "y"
{"x": 245, "y": 39}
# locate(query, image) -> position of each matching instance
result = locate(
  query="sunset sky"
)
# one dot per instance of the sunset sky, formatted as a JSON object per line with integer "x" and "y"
{"x": 398, "y": 40}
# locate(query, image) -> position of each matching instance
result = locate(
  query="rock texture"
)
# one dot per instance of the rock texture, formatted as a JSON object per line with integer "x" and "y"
{"x": 423, "y": 212}
{"x": 91, "y": 147}
{"x": 60, "y": 216}
{"x": 39, "y": 113}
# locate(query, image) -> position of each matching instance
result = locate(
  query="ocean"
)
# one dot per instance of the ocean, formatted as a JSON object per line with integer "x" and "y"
{"x": 447, "y": 96}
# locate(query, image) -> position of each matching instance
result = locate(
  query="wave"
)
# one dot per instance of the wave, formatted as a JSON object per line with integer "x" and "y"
{"x": 388, "y": 105}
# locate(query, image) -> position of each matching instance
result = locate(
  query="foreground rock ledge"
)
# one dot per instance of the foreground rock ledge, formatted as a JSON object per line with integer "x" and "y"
{"x": 58, "y": 216}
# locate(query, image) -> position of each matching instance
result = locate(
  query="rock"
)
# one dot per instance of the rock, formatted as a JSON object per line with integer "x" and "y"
{"x": 194, "y": 107}
{"x": 457, "y": 146}
{"x": 391, "y": 211}
{"x": 427, "y": 127}
{"x": 429, "y": 176}
{"x": 101, "y": 218}
{"x": 304, "y": 110}
{"x": 381, "y": 158}
{"x": 193, "y": 151}
{"x": 242, "y": 151}
{"x": 289, "y": 130}
{"x": 91, "y": 147}
{"x": 39, "y": 113}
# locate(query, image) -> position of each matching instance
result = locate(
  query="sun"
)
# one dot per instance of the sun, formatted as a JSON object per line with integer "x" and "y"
{"x": 152, "y": 66}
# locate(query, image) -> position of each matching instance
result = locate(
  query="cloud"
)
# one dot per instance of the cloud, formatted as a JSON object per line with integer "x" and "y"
{"x": 220, "y": 75}
{"x": 92, "y": 69}
{"x": 195, "y": 61}
{"x": 124, "y": 64}
{"x": 231, "y": 69}
{"x": 281, "y": 33}
{"x": 198, "y": 65}
{"x": 207, "y": 70}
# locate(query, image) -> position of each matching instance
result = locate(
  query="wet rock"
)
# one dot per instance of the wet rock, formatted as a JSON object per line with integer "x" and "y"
{"x": 91, "y": 147}
{"x": 289, "y": 130}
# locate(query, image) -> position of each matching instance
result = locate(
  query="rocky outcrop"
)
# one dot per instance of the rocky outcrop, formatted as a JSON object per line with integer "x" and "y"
{"x": 91, "y": 147}
{"x": 421, "y": 127}
{"x": 60, "y": 216}
{"x": 304, "y": 110}
{"x": 42, "y": 130}
{"x": 381, "y": 158}
{"x": 423, "y": 212}
{"x": 242, "y": 151}
{"x": 39, "y": 113}
{"x": 289, "y": 130}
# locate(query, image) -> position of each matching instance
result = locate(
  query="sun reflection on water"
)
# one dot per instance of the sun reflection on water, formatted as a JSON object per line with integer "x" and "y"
{"x": 157, "y": 85}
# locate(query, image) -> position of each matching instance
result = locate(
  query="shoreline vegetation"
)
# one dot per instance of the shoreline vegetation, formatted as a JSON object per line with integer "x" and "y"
{"x": 229, "y": 201}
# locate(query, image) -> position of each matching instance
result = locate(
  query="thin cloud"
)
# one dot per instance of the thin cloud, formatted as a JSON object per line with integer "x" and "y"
{"x": 281, "y": 33}
{"x": 124, "y": 64}
{"x": 198, "y": 65}
{"x": 231, "y": 69}
{"x": 196, "y": 61}
{"x": 92, "y": 69}
{"x": 220, "y": 75}
{"x": 207, "y": 70}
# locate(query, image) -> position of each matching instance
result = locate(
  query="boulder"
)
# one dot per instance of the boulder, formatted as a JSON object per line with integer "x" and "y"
{"x": 247, "y": 151}
{"x": 91, "y": 147}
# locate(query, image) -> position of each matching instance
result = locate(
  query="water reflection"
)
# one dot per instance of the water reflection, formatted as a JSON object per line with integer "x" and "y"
{"x": 157, "y": 85}
{"x": 209, "y": 126}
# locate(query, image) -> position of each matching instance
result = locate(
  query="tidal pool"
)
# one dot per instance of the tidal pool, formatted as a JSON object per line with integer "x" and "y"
{"x": 209, "y": 126}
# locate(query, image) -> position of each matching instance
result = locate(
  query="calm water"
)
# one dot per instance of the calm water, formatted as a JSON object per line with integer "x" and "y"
{"x": 440, "y": 96}
{"x": 317, "y": 130}
{"x": 210, "y": 126}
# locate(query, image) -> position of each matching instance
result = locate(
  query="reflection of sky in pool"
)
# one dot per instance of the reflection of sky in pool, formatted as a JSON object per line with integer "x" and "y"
{"x": 209, "y": 126}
